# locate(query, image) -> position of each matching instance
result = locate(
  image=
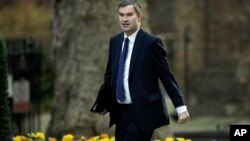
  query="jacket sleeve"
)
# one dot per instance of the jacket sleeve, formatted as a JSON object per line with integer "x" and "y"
{"x": 108, "y": 74}
{"x": 159, "y": 57}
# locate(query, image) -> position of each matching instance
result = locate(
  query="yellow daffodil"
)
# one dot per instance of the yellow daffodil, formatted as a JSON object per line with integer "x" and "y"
{"x": 180, "y": 139}
{"x": 95, "y": 138}
{"x": 112, "y": 139}
{"x": 52, "y": 139}
{"x": 104, "y": 139}
{"x": 40, "y": 135}
{"x": 82, "y": 138}
{"x": 90, "y": 139}
{"x": 169, "y": 139}
{"x": 102, "y": 136}
{"x": 17, "y": 138}
{"x": 33, "y": 135}
{"x": 68, "y": 137}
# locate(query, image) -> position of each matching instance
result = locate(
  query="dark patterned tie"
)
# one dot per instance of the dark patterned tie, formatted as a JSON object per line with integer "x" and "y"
{"x": 120, "y": 91}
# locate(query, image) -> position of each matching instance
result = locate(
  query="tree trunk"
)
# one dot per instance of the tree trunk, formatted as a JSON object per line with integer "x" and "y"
{"x": 81, "y": 32}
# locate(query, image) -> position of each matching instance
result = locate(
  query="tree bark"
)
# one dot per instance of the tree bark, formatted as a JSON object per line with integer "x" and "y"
{"x": 81, "y": 31}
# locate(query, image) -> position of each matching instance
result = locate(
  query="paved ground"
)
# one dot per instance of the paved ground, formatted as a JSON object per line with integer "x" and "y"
{"x": 206, "y": 124}
{"x": 210, "y": 123}
{"x": 45, "y": 121}
{"x": 195, "y": 124}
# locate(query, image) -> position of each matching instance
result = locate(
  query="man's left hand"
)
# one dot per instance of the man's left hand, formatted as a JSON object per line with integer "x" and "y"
{"x": 183, "y": 117}
{"x": 103, "y": 112}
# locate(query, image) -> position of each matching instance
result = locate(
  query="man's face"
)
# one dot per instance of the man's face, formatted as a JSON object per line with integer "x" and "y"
{"x": 129, "y": 20}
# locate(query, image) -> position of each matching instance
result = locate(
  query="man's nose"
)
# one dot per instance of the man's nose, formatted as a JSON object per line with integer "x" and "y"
{"x": 125, "y": 18}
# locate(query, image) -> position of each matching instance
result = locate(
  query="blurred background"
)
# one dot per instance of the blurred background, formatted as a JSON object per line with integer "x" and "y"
{"x": 57, "y": 54}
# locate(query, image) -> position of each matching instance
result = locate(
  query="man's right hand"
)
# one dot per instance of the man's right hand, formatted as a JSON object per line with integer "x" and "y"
{"x": 103, "y": 112}
{"x": 183, "y": 117}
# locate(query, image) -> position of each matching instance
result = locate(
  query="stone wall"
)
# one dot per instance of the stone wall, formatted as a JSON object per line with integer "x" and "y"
{"x": 219, "y": 40}
{"x": 207, "y": 41}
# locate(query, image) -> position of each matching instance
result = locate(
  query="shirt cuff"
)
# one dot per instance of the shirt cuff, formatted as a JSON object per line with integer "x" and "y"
{"x": 181, "y": 109}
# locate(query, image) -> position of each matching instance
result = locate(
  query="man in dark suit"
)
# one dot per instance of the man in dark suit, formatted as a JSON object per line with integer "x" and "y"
{"x": 136, "y": 61}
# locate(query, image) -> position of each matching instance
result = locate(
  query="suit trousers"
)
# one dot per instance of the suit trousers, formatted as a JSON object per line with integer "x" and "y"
{"x": 126, "y": 128}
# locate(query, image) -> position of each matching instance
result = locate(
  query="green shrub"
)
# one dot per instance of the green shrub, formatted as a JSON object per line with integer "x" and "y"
{"x": 4, "y": 108}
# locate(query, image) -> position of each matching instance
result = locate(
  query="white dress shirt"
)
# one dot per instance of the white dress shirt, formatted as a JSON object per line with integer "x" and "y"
{"x": 131, "y": 39}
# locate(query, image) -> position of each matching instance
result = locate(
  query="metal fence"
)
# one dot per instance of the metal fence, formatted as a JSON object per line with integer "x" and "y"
{"x": 24, "y": 70}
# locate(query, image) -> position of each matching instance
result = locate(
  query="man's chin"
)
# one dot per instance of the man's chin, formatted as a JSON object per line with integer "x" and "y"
{"x": 126, "y": 29}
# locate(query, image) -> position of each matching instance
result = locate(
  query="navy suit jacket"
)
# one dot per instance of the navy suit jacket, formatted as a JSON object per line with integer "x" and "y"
{"x": 148, "y": 65}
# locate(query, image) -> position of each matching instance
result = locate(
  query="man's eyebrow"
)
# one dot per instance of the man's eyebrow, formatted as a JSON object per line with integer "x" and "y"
{"x": 129, "y": 13}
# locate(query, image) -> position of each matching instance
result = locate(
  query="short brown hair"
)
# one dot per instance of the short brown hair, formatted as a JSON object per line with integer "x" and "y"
{"x": 135, "y": 3}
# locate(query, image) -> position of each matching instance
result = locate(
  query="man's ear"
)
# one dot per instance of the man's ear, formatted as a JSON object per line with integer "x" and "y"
{"x": 139, "y": 17}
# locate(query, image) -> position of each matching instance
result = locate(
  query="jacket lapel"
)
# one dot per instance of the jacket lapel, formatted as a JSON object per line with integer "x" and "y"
{"x": 118, "y": 47}
{"x": 136, "y": 50}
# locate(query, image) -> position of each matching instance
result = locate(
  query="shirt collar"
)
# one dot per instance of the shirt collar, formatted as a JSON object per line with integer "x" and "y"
{"x": 132, "y": 36}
